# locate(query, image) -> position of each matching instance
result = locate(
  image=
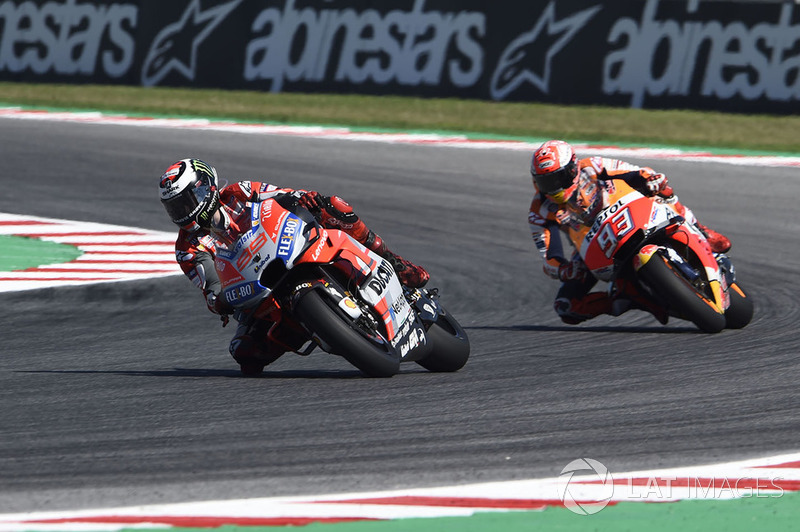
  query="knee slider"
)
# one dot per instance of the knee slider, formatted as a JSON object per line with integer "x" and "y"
{"x": 243, "y": 348}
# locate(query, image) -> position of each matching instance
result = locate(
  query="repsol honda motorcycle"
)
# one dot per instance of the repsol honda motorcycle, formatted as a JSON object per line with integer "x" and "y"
{"x": 643, "y": 244}
{"x": 289, "y": 270}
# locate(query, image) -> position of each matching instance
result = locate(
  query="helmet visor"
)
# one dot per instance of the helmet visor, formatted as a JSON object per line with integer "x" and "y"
{"x": 554, "y": 182}
{"x": 186, "y": 204}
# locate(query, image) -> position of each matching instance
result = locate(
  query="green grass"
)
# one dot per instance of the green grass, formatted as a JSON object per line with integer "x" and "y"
{"x": 683, "y": 128}
{"x": 19, "y": 253}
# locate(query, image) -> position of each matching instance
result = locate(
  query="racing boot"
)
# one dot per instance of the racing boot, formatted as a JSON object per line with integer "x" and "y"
{"x": 719, "y": 243}
{"x": 251, "y": 352}
{"x": 575, "y": 311}
{"x": 410, "y": 274}
{"x": 338, "y": 213}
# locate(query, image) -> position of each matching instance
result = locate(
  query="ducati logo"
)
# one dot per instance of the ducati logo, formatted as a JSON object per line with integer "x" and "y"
{"x": 529, "y": 57}
{"x": 175, "y": 46}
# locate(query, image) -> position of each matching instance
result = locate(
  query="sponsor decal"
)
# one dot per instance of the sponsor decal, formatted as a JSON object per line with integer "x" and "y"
{"x": 68, "y": 38}
{"x": 401, "y": 334}
{"x": 322, "y": 239}
{"x": 171, "y": 176}
{"x": 228, "y": 274}
{"x": 174, "y": 49}
{"x": 301, "y": 286}
{"x": 380, "y": 280}
{"x": 415, "y": 338}
{"x": 605, "y": 213}
{"x": 241, "y": 292}
{"x": 528, "y": 58}
{"x": 266, "y": 209}
{"x": 288, "y": 236}
{"x": 416, "y": 47}
{"x": 200, "y": 166}
{"x": 400, "y": 308}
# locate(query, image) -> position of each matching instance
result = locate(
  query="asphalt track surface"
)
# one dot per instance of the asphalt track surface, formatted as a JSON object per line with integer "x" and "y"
{"x": 123, "y": 394}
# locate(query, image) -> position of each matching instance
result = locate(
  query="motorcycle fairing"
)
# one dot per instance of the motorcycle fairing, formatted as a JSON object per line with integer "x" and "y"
{"x": 384, "y": 292}
{"x": 614, "y": 227}
{"x": 634, "y": 221}
{"x": 278, "y": 234}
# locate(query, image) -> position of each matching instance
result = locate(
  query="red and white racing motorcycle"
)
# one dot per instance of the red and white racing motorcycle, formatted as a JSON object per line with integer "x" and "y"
{"x": 666, "y": 260}
{"x": 290, "y": 270}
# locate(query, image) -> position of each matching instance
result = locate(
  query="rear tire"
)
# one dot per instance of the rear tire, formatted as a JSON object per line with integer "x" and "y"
{"x": 450, "y": 346}
{"x": 740, "y": 311}
{"x": 680, "y": 297}
{"x": 319, "y": 316}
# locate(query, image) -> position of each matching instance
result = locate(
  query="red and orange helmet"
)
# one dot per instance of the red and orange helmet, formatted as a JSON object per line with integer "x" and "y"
{"x": 554, "y": 168}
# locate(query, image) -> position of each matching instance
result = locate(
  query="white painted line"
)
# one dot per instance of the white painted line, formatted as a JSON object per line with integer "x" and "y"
{"x": 765, "y": 477}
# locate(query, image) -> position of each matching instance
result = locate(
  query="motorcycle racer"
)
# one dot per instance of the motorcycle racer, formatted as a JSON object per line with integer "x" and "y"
{"x": 570, "y": 194}
{"x": 211, "y": 218}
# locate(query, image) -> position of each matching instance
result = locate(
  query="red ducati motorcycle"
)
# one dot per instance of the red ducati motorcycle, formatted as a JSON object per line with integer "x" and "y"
{"x": 289, "y": 270}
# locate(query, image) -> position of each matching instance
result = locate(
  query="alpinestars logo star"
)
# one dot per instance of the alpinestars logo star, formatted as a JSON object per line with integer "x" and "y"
{"x": 175, "y": 46}
{"x": 529, "y": 57}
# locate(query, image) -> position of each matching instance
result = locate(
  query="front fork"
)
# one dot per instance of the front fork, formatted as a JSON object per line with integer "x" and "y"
{"x": 426, "y": 303}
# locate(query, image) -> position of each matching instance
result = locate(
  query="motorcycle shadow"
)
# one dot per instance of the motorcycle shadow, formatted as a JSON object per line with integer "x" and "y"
{"x": 213, "y": 373}
{"x": 590, "y": 328}
{"x": 175, "y": 372}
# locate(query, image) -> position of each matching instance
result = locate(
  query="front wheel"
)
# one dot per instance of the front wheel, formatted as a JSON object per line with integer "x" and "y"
{"x": 373, "y": 357}
{"x": 740, "y": 311}
{"x": 450, "y": 345}
{"x": 680, "y": 296}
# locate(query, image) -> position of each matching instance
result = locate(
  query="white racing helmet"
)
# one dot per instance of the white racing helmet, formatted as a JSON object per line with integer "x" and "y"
{"x": 190, "y": 193}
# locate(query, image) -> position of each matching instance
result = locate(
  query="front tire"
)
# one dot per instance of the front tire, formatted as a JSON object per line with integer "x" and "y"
{"x": 319, "y": 317}
{"x": 450, "y": 346}
{"x": 681, "y": 297}
{"x": 740, "y": 311}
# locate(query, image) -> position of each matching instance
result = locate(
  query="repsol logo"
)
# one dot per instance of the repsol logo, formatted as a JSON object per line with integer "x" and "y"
{"x": 381, "y": 278}
{"x": 407, "y": 47}
{"x": 750, "y": 62}
{"x": 603, "y": 216}
{"x": 67, "y": 38}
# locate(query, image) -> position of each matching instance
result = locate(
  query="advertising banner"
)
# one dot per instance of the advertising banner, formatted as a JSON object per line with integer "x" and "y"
{"x": 730, "y": 56}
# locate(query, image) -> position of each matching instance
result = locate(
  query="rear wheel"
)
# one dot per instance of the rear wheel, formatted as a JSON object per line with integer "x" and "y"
{"x": 740, "y": 311}
{"x": 373, "y": 357}
{"x": 681, "y": 297}
{"x": 450, "y": 346}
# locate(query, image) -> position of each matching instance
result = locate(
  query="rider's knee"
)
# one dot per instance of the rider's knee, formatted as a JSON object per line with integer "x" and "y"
{"x": 563, "y": 308}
